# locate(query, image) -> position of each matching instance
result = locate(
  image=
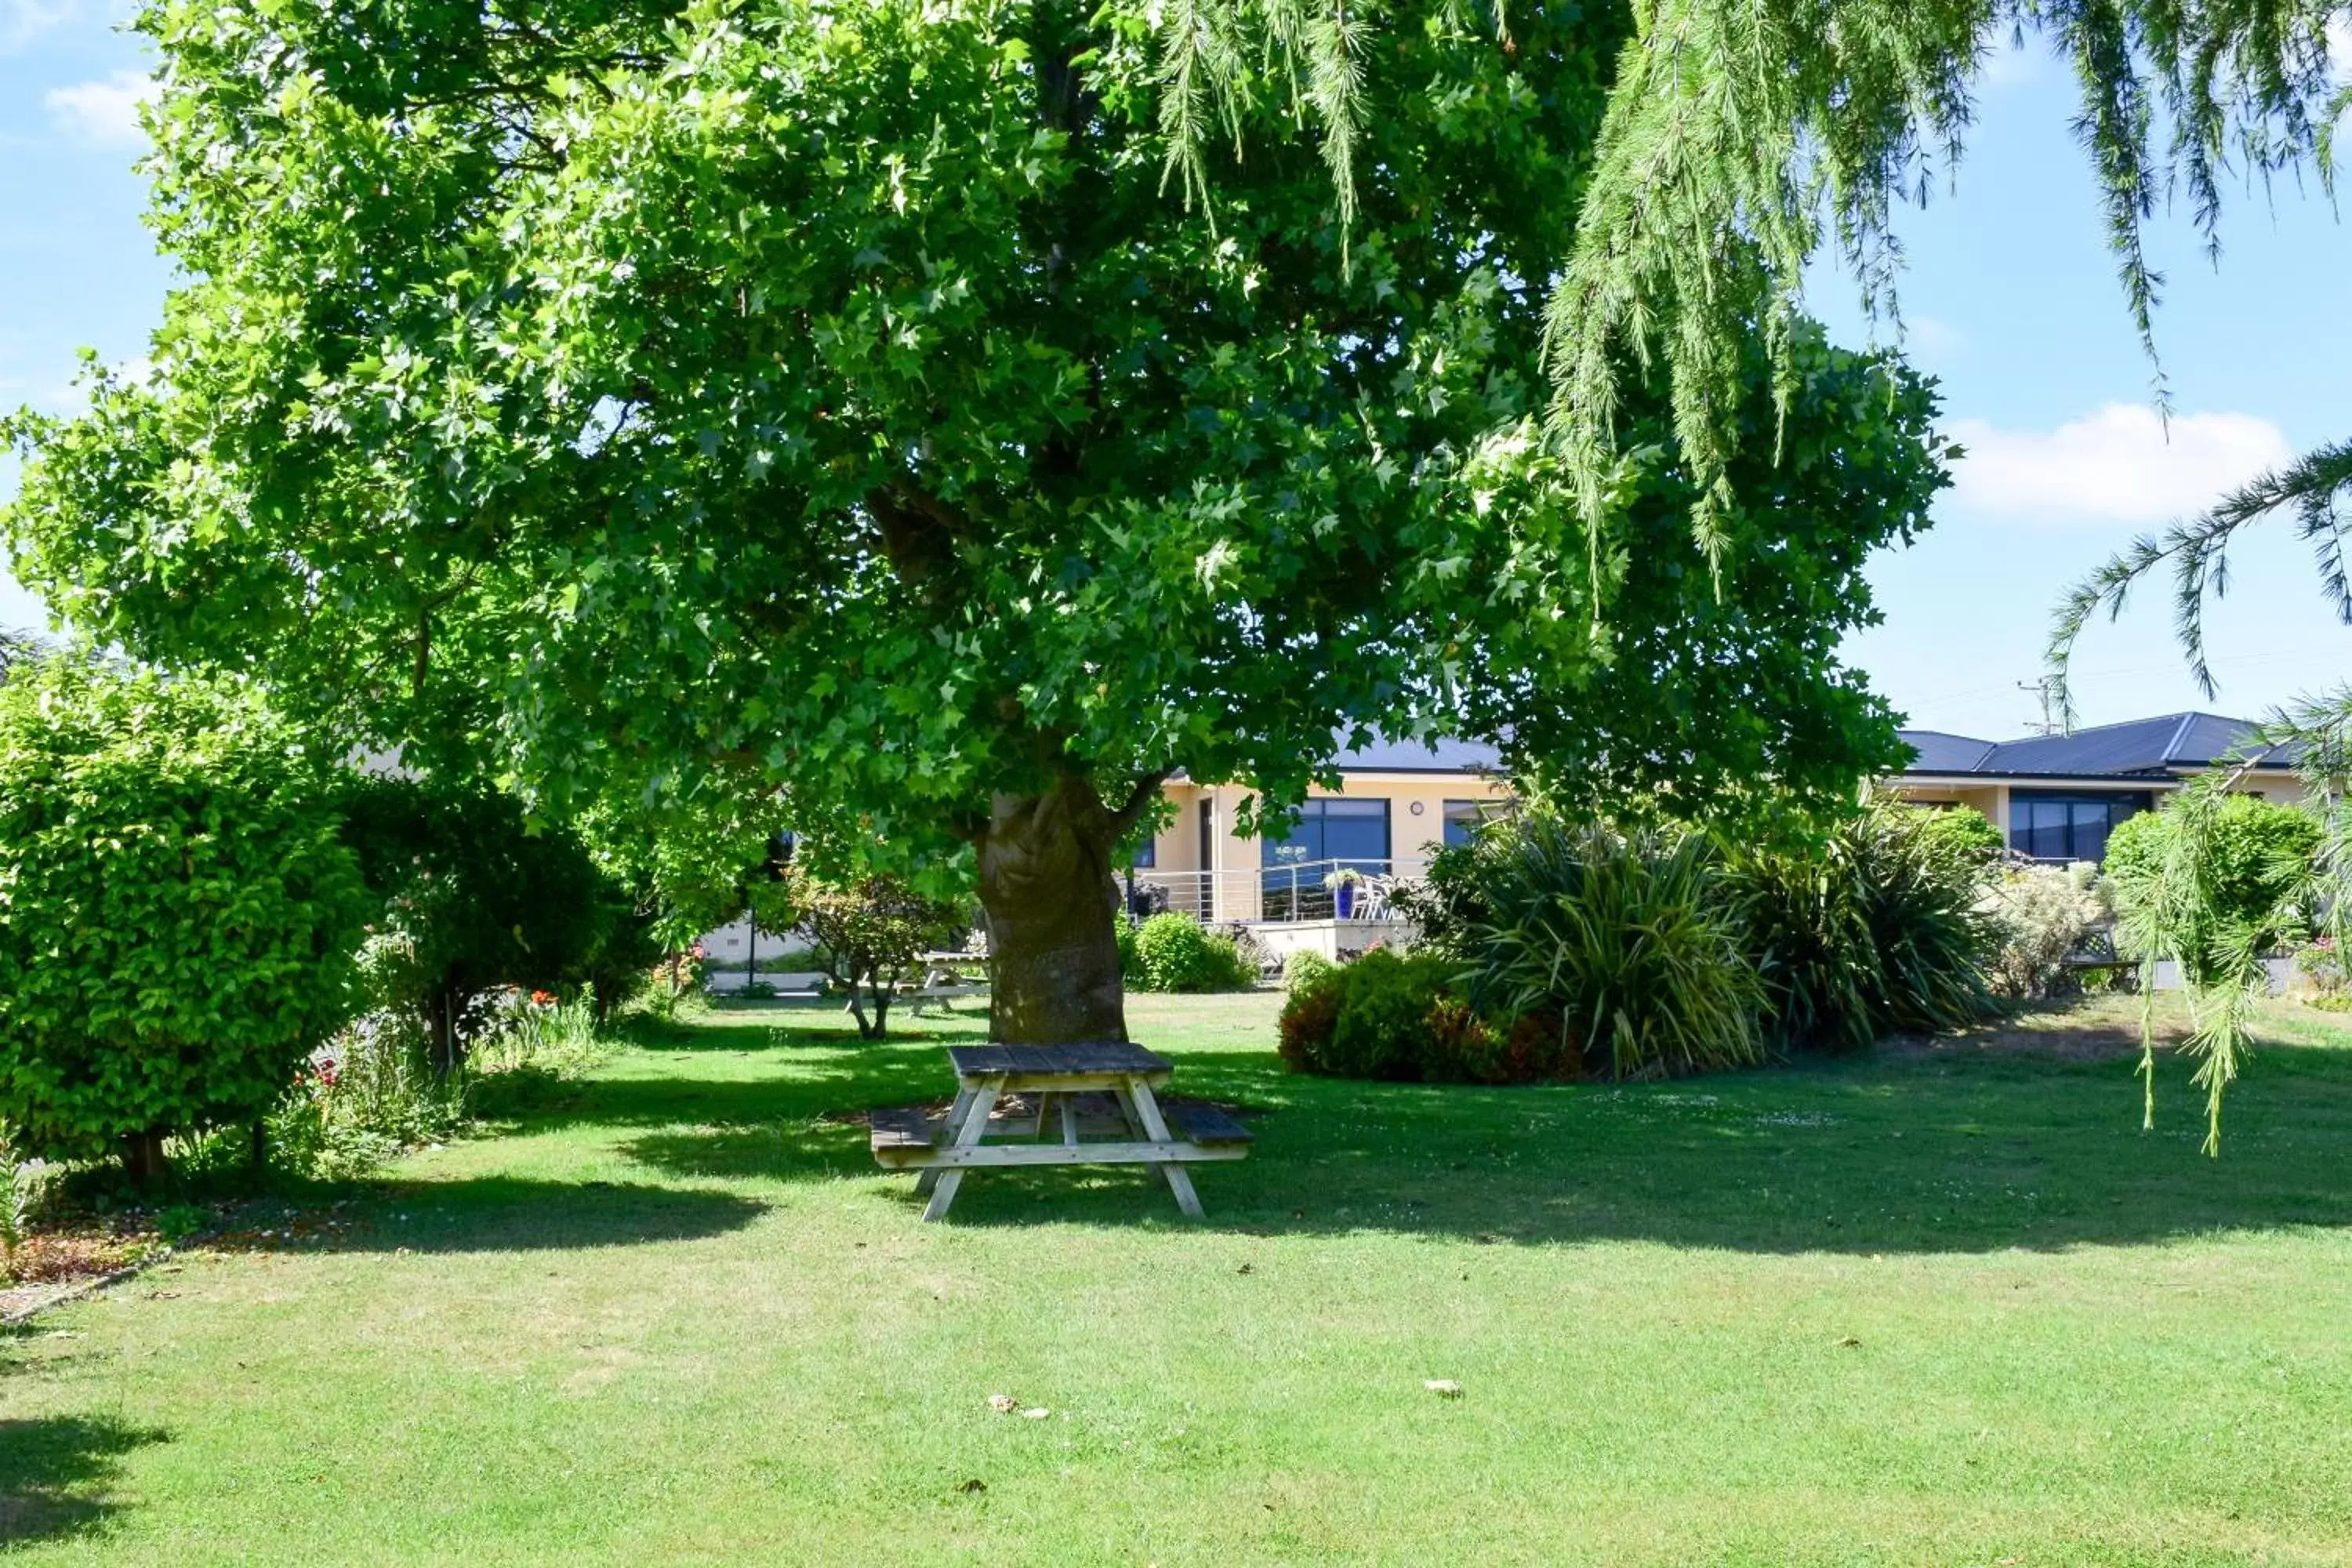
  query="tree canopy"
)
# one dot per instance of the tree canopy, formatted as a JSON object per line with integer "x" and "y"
{"x": 965, "y": 414}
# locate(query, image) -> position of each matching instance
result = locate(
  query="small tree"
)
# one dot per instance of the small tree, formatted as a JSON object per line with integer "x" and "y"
{"x": 870, "y": 935}
{"x": 177, "y": 912}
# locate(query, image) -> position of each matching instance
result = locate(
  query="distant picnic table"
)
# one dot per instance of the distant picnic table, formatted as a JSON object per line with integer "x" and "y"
{"x": 1058, "y": 1088}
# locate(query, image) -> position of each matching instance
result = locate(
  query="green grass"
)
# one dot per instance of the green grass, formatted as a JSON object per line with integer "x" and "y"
{"x": 1942, "y": 1304}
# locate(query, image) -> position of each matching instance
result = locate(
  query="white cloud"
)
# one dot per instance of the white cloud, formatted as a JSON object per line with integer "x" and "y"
{"x": 24, "y": 21}
{"x": 2119, "y": 465}
{"x": 103, "y": 113}
{"x": 1934, "y": 339}
{"x": 2339, "y": 47}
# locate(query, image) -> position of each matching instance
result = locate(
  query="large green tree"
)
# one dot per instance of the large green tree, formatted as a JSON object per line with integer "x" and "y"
{"x": 965, "y": 414}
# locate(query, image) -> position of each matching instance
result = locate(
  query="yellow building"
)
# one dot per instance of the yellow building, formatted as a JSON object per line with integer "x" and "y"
{"x": 2057, "y": 797}
{"x": 1396, "y": 803}
{"x": 2054, "y": 797}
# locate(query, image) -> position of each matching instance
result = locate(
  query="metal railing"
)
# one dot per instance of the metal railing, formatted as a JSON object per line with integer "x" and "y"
{"x": 1292, "y": 891}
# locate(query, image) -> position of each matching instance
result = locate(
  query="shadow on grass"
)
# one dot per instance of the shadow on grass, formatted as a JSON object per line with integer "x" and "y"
{"x": 56, "y": 1472}
{"x": 1951, "y": 1149}
{"x": 501, "y": 1214}
{"x": 784, "y": 1025}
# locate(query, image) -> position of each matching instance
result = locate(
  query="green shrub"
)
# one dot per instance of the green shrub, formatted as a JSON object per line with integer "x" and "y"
{"x": 1405, "y": 1017}
{"x": 1632, "y": 939}
{"x": 1303, "y": 968}
{"x": 180, "y": 913}
{"x": 1465, "y": 1048}
{"x": 1877, "y": 928}
{"x": 2255, "y": 869}
{"x": 2040, "y": 914}
{"x": 1384, "y": 1029}
{"x": 1310, "y": 1015}
{"x": 1173, "y": 951}
{"x": 1962, "y": 832}
{"x": 1127, "y": 964}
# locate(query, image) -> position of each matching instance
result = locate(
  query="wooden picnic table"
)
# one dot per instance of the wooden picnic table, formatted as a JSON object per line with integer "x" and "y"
{"x": 1052, "y": 1079}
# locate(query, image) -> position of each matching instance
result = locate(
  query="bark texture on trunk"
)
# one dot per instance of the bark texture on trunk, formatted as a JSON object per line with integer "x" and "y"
{"x": 142, "y": 1158}
{"x": 1045, "y": 885}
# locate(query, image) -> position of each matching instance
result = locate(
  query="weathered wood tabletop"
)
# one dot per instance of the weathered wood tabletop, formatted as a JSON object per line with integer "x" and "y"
{"x": 1054, "y": 1076}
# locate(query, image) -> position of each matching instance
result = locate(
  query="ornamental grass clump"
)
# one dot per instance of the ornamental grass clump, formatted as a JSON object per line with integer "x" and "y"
{"x": 1874, "y": 928}
{"x": 1631, "y": 939}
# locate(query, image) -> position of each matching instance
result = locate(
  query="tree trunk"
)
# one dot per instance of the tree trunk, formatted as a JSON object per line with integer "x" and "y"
{"x": 1045, "y": 885}
{"x": 142, "y": 1158}
{"x": 441, "y": 1021}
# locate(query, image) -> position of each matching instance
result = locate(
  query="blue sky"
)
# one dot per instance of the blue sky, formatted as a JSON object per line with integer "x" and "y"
{"x": 2011, "y": 300}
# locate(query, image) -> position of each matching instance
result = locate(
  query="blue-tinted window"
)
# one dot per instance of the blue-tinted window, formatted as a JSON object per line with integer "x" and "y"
{"x": 1462, "y": 820}
{"x": 1354, "y": 831}
{"x": 2054, "y": 827}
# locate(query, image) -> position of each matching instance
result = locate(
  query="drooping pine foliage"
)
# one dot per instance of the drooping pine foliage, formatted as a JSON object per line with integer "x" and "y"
{"x": 1742, "y": 139}
{"x": 2316, "y": 491}
{"x": 2183, "y": 896}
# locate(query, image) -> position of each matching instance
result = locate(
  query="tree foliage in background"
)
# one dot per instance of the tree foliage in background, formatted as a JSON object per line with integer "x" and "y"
{"x": 480, "y": 898}
{"x": 178, "y": 911}
{"x": 965, "y": 414}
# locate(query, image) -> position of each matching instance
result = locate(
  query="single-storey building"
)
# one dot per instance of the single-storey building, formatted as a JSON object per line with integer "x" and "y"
{"x": 2055, "y": 797}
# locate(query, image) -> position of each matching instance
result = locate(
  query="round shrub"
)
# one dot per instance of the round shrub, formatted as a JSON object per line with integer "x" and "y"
{"x": 1303, "y": 968}
{"x": 2041, "y": 913}
{"x": 1384, "y": 1029}
{"x": 1391, "y": 1017}
{"x": 1173, "y": 951}
{"x": 1964, "y": 834}
{"x": 177, "y": 911}
{"x": 1310, "y": 1017}
{"x": 2256, "y": 869}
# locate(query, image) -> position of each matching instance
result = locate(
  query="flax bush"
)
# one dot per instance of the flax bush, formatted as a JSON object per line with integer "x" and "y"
{"x": 1876, "y": 928}
{"x": 1631, "y": 939}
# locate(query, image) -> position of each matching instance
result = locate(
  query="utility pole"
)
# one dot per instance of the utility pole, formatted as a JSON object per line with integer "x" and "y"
{"x": 2041, "y": 688}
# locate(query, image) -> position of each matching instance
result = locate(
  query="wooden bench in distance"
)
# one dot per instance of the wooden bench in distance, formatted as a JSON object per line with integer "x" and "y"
{"x": 902, "y": 1134}
{"x": 1208, "y": 1125}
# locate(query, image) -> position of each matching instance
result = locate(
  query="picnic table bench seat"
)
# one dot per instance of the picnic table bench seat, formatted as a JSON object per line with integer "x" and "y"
{"x": 896, "y": 1134}
{"x": 1065, "y": 1079}
{"x": 1207, "y": 1125}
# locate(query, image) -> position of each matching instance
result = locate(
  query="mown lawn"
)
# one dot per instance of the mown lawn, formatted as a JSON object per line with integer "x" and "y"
{"x": 1941, "y": 1305}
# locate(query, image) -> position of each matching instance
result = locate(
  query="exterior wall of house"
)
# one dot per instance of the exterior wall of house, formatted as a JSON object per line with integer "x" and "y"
{"x": 1994, "y": 801}
{"x": 1228, "y": 886}
{"x": 1230, "y": 881}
